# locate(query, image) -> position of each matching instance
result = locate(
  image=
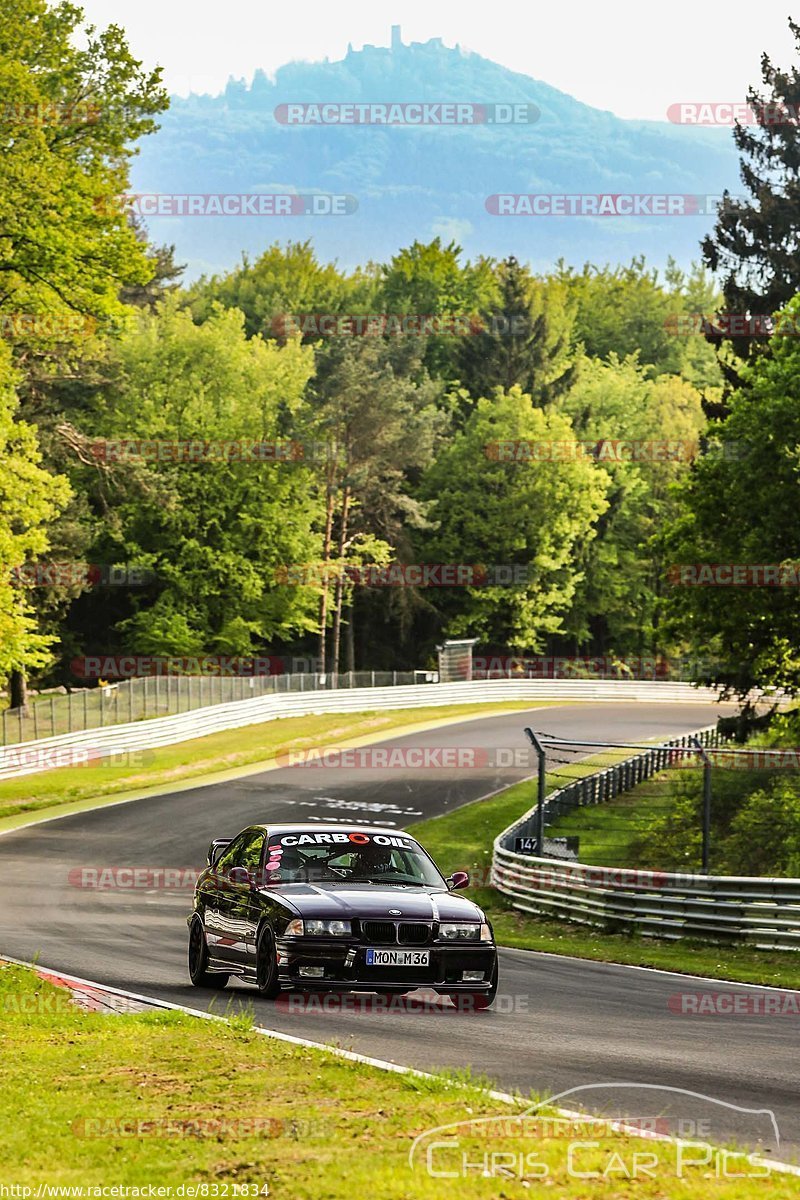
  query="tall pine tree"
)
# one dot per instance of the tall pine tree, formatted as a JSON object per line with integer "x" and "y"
{"x": 755, "y": 245}
{"x": 518, "y": 345}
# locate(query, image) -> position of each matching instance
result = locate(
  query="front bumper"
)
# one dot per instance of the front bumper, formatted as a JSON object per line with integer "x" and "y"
{"x": 345, "y": 967}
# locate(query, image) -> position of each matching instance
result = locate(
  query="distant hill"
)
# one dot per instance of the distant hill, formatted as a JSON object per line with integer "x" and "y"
{"x": 416, "y": 182}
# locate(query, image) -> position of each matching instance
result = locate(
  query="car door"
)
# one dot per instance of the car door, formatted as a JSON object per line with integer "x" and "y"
{"x": 221, "y": 933}
{"x": 239, "y": 901}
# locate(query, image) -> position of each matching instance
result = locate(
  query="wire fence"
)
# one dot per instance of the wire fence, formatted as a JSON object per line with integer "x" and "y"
{"x": 692, "y": 804}
{"x": 544, "y": 869}
{"x": 147, "y": 697}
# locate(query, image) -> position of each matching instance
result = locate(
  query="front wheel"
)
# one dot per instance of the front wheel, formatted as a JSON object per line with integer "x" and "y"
{"x": 267, "y": 981}
{"x": 198, "y": 959}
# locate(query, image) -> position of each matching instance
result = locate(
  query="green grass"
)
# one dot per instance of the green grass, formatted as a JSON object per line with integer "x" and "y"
{"x": 230, "y": 751}
{"x": 609, "y": 832}
{"x": 165, "y": 1099}
{"x": 462, "y": 840}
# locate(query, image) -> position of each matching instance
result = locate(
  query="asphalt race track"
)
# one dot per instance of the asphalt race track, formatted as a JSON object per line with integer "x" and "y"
{"x": 558, "y": 1024}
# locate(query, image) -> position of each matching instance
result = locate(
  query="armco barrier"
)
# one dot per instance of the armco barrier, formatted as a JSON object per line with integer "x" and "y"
{"x": 24, "y": 758}
{"x": 762, "y": 911}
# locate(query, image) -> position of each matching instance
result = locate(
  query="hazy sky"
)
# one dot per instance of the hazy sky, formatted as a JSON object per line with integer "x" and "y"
{"x": 633, "y": 57}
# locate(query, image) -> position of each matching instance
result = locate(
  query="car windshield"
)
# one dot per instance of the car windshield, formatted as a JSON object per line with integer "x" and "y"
{"x": 342, "y": 857}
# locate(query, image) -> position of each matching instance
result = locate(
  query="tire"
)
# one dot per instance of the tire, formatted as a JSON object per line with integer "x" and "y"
{"x": 476, "y": 1001}
{"x": 267, "y": 979}
{"x": 198, "y": 959}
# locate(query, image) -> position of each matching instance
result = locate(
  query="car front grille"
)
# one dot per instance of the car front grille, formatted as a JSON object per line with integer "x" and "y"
{"x": 413, "y": 933}
{"x": 379, "y": 931}
{"x": 389, "y": 933}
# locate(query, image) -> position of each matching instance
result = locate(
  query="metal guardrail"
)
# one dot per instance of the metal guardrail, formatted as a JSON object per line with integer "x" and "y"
{"x": 757, "y": 910}
{"x": 27, "y": 757}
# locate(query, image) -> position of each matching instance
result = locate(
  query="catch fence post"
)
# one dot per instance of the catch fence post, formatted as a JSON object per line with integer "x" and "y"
{"x": 706, "y": 806}
{"x": 539, "y": 748}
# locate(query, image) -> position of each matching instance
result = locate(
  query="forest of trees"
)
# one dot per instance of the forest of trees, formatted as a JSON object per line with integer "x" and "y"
{"x": 415, "y": 437}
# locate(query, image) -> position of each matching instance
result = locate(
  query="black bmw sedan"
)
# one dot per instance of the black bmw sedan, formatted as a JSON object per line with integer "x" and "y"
{"x": 338, "y": 909}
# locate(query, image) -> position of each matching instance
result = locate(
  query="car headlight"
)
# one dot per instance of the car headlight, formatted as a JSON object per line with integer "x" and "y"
{"x": 327, "y": 928}
{"x": 456, "y": 932}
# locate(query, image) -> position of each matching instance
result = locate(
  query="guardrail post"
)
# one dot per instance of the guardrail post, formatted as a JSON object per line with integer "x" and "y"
{"x": 542, "y": 787}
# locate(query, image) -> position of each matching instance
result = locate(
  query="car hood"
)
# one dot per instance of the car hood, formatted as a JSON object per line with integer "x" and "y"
{"x": 373, "y": 902}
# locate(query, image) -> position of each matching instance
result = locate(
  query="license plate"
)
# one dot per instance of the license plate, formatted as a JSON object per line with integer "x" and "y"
{"x": 398, "y": 958}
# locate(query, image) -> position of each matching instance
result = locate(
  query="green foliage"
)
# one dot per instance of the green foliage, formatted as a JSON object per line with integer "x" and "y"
{"x": 627, "y": 310}
{"x": 525, "y": 338}
{"x": 753, "y": 246}
{"x": 282, "y": 282}
{"x": 68, "y": 117}
{"x": 536, "y": 516}
{"x": 29, "y": 499}
{"x": 619, "y": 603}
{"x": 215, "y": 531}
{"x": 765, "y": 833}
{"x": 742, "y": 508}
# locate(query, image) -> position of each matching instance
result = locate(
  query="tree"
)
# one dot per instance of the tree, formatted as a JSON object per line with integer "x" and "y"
{"x": 282, "y": 283}
{"x": 376, "y": 410}
{"x": 755, "y": 245}
{"x": 741, "y": 508}
{"x": 29, "y": 499}
{"x": 523, "y": 339}
{"x": 429, "y": 280}
{"x": 644, "y": 433}
{"x": 69, "y": 115}
{"x": 533, "y": 516}
{"x": 74, "y": 102}
{"x": 216, "y": 527}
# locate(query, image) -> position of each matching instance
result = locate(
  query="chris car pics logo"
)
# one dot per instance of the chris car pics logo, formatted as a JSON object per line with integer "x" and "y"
{"x": 657, "y": 1133}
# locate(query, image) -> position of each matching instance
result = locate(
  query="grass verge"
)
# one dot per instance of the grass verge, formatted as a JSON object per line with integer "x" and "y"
{"x": 462, "y": 840}
{"x": 220, "y": 754}
{"x": 164, "y": 1099}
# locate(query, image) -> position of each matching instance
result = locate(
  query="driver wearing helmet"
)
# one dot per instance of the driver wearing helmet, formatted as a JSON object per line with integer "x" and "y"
{"x": 371, "y": 860}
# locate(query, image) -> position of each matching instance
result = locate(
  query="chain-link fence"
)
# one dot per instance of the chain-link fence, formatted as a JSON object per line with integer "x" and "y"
{"x": 697, "y": 803}
{"x": 162, "y": 695}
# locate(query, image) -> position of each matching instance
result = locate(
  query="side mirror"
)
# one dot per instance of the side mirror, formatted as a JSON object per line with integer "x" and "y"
{"x": 456, "y": 881}
{"x": 239, "y": 875}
